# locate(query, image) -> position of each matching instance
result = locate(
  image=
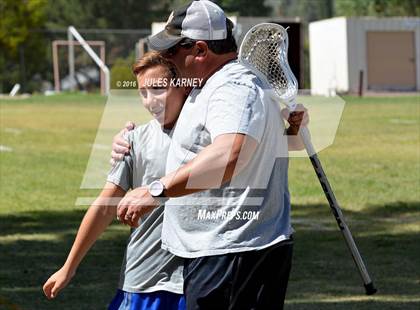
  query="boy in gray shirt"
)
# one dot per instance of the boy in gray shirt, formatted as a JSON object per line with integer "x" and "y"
{"x": 151, "y": 278}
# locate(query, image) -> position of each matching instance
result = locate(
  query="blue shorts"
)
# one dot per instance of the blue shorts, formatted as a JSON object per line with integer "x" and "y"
{"x": 160, "y": 300}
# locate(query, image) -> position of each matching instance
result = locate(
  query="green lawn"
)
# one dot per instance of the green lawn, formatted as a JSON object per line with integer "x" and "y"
{"x": 373, "y": 166}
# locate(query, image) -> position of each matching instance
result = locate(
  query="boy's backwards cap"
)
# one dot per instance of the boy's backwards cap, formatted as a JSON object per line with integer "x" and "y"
{"x": 198, "y": 20}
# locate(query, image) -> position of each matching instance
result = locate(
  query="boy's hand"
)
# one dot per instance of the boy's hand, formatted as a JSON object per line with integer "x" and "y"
{"x": 120, "y": 147}
{"x": 56, "y": 283}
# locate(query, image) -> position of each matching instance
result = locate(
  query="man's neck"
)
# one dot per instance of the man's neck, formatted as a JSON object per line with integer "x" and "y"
{"x": 219, "y": 62}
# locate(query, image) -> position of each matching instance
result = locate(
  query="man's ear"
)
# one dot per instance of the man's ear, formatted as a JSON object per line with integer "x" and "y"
{"x": 202, "y": 49}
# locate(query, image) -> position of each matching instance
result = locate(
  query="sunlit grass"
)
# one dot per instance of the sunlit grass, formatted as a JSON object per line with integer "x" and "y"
{"x": 373, "y": 167}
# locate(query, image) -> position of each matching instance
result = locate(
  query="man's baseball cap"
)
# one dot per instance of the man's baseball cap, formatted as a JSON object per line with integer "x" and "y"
{"x": 198, "y": 20}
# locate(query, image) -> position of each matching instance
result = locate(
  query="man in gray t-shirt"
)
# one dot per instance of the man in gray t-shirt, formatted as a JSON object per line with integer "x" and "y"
{"x": 228, "y": 211}
{"x": 252, "y": 210}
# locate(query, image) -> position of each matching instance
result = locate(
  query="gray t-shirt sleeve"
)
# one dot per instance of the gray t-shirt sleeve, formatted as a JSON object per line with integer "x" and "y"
{"x": 122, "y": 173}
{"x": 235, "y": 108}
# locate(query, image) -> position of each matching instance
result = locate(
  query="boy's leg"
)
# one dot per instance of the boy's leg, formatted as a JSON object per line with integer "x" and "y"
{"x": 159, "y": 300}
{"x": 116, "y": 301}
{"x": 248, "y": 280}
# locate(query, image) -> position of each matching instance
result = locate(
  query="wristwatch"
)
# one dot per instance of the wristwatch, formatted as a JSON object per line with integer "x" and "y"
{"x": 157, "y": 189}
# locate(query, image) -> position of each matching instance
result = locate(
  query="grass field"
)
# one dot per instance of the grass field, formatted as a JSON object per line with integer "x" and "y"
{"x": 373, "y": 166}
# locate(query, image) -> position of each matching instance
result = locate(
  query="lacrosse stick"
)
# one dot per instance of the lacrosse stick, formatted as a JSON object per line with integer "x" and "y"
{"x": 264, "y": 51}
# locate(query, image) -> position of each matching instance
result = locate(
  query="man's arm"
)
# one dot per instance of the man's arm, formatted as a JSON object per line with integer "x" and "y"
{"x": 96, "y": 220}
{"x": 214, "y": 165}
{"x": 120, "y": 146}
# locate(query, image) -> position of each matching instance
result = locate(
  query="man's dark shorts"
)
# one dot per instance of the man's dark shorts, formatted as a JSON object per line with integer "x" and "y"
{"x": 254, "y": 280}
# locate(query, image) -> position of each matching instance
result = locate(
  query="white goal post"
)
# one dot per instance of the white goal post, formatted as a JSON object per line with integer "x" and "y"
{"x": 56, "y": 65}
{"x": 73, "y": 33}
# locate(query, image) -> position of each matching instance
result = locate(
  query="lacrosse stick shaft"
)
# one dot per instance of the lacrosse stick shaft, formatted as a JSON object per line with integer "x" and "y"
{"x": 264, "y": 50}
{"x": 336, "y": 210}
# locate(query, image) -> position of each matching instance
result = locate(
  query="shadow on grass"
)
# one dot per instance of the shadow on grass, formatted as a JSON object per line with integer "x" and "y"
{"x": 324, "y": 272}
{"x": 35, "y": 244}
{"x": 354, "y": 305}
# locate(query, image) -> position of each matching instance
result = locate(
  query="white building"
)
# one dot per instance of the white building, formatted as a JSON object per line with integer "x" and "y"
{"x": 377, "y": 54}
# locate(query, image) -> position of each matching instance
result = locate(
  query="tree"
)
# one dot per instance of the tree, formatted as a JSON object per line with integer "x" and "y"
{"x": 27, "y": 28}
{"x": 377, "y": 7}
{"x": 18, "y": 41}
{"x": 128, "y": 14}
{"x": 245, "y": 7}
{"x": 239, "y": 7}
{"x": 307, "y": 10}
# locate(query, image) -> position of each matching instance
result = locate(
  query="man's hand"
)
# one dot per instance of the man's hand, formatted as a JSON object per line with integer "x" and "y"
{"x": 120, "y": 147}
{"x": 57, "y": 282}
{"x": 134, "y": 205}
{"x": 296, "y": 119}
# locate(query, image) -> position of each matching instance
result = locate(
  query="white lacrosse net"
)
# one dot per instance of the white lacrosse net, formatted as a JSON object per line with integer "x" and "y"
{"x": 264, "y": 51}
{"x": 264, "y": 48}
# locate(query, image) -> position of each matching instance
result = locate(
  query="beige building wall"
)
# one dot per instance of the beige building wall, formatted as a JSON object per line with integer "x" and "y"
{"x": 357, "y": 33}
{"x": 391, "y": 60}
{"x": 328, "y": 37}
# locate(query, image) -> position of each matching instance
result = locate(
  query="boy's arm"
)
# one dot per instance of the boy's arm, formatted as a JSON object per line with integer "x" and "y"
{"x": 96, "y": 220}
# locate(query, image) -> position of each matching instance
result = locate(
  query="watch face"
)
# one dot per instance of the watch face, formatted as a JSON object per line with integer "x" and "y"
{"x": 156, "y": 188}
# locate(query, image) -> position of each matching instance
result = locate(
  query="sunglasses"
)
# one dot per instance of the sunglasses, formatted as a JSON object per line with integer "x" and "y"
{"x": 185, "y": 43}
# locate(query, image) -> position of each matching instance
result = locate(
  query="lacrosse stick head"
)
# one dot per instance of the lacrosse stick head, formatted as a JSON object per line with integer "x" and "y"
{"x": 264, "y": 51}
